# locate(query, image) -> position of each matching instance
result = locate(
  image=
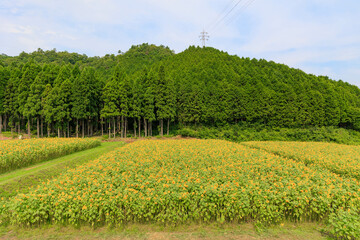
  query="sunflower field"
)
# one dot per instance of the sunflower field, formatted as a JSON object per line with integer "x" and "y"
{"x": 16, "y": 154}
{"x": 338, "y": 158}
{"x": 181, "y": 181}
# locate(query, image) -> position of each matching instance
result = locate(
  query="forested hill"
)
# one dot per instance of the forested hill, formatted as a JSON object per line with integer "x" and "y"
{"x": 149, "y": 88}
{"x": 217, "y": 87}
{"x": 133, "y": 60}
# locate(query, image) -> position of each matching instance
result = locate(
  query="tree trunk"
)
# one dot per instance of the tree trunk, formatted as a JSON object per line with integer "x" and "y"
{"x": 29, "y": 129}
{"x": 161, "y": 127}
{"x": 150, "y": 129}
{"x": 88, "y": 127}
{"x": 91, "y": 128}
{"x": 4, "y": 125}
{"x": 1, "y": 123}
{"x": 59, "y": 133}
{"x": 145, "y": 127}
{"x": 77, "y": 128}
{"x": 42, "y": 127}
{"x": 99, "y": 127}
{"x": 168, "y": 126}
{"x": 38, "y": 127}
{"x": 118, "y": 124}
{"x": 114, "y": 123}
{"x": 139, "y": 127}
{"x": 19, "y": 127}
{"x": 5, "y": 122}
{"x": 48, "y": 129}
{"x": 126, "y": 123}
{"x": 102, "y": 126}
{"x": 68, "y": 129}
{"x": 109, "y": 128}
{"x": 83, "y": 127}
{"x": 122, "y": 126}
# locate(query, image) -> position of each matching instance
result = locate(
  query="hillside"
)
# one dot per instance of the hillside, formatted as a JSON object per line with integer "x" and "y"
{"x": 232, "y": 89}
{"x": 150, "y": 89}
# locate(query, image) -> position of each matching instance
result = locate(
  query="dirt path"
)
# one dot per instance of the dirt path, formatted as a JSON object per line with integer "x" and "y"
{"x": 131, "y": 140}
{"x": 4, "y": 138}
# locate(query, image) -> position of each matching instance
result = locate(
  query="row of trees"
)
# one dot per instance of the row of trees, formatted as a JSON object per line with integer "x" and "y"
{"x": 148, "y": 88}
{"x": 74, "y": 101}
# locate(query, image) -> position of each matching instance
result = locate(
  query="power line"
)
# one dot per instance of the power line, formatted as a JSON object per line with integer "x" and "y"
{"x": 217, "y": 23}
{"x": 204, "y": 36}
{"x": 234, "y": 16}
{"x": 220, "y": 14}
{"x": 237, "y": 14}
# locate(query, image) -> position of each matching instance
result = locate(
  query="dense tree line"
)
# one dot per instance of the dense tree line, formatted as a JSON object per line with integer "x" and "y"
{"x": 221, "y": 89}
{"x": 150, "y": 88}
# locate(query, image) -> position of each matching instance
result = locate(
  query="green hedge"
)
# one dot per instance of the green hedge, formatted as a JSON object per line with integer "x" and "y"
{"x": 241, "y": 133}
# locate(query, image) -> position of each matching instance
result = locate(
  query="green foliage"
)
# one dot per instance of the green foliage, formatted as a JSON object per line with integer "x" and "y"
{"x": 111, "y": 100}
{"x": 215, "y": 88}
{"x": 105, "y": 137}
{"x": 85, "y": 95}
{"x": 188, "y": 132}
{"x": 4, "y": 78}
{"x": 247, "y": 132}
{"x": 184, "y": 181}
{"x": 24, "y": 180}
{"x": 149, "y": 95}
{"x": 341, "y": 159}
{"x": 79, "y": 97}
{"x": 33, "y": 105}
{"x": 30, "y": 71}
{"x": 46, "y": 103}
{"x": 345, "y": 224}
{"x": 21, "y": 153}
{"x": 10, "y": 135}
{"x": 160, "y": 93}
{"x": 144, "y": 55}
{"x": 154, "y": 86}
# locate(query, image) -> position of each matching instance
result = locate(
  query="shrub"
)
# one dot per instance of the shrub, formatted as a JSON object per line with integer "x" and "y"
{"x": 344, "y": 224}
{"x": 241, "y": 133}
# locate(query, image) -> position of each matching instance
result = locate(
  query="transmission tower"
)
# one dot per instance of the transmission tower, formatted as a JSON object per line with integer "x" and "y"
{"x": 204, "y": 36}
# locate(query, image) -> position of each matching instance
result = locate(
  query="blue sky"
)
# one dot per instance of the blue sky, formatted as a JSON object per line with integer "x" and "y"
{"x": 321, "y": 37}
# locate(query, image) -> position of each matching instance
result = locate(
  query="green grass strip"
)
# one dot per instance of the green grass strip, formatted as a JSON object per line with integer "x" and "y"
{"x": 20, "y": 181}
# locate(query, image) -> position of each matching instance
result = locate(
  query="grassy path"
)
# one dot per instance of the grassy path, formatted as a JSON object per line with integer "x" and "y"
{"x": 212, "y": 231}
{"x": 19, "y": 181}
